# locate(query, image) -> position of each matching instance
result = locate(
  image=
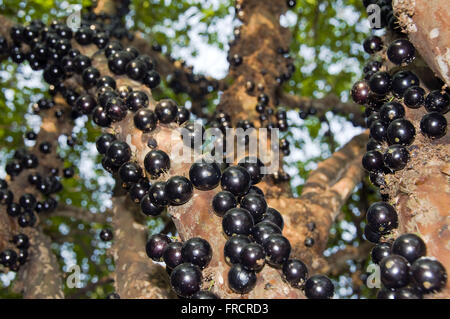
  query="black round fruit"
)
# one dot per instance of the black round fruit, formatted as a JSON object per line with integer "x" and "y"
{"x": 85, "y": 104}
{"x": 380, "y": 251}
{"x": 436, "y": 101}
{"x": 382, "y": 217}
{"x": 401, "y": 132}
{"x": 84, "y": 35}
{"x": 197, "y": 251}
{"x": 166, "y": 111}
{"x": 106, "y": 235}
{"x": 104, "y": 142}
{"x": 414, "y": 97}
{"x": 21, "y": 241}
{"x": 371, "y": 235}
{"x": 27, "y": 201}
{"x": 378, "y": 130}
{"x": 100, "y": 117}
{"x": 433, "y": 125}
{"x": 156, "y": 245}
{"x": 409, "y": 246}
{"x": 240, "y": 280}
{"x": 8, "y": 257}
{"x": 396, "y": 157}
{"x": 253, "y": 257}
{"x": 428, "y": 275}
{"x": 179, "y": 190}
{"x": 148, "y": 208}
{"x": 145, "y": 120}
{"x": 116, "y": 109}
{"x": 205, "y": 176}
{"x": 223, "y": 202}
{"x": 186, "y": 279}
{"x": 253, "y": 166}
{"x": 137, "y": 100}
{"x": 172, "y": 255}
{"x": 380, "y": 83}
{"x": 319, "y": 287}
{"x": 156, "y": 162}
{"x": 152, "y": 79}
{"x": 136, "y": 69}
{"x": 403, "y": 80}
{"x": 360, "y": 92}
{"x": 373, "y": 145}
{"x": 394, "y": 271}
{"x": 237, "y": 221}
{"x": 14, "y": 209}
{"x": 263, "y": 230}
{"x": 372, "y": 161}
{"x": 256, "y": 205}
{"x": 236, "y": 180}
{"x": 45, "y": 147}
{"x": 233, "y": 247}
{"x": 183, "y": 115}
{"x": 401, "y": 51}
{"x": 295, "y": 272}
{"x": 119, "y": 153}
{"x": 158, "y": 195}
{"x": 373, "y": 44}
{"x": 278, "y": 249}
{"x": 130, "y": 172}
{"x": 392, "y": 111}
{"x": 273, "y": 216}
{"x": 90, "y": 76}
{"x": 118, "y": 61}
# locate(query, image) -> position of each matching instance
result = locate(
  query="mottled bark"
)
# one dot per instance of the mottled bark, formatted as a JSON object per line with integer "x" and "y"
{"x": 41, "y": 277}
{"x": 136, "y": 275}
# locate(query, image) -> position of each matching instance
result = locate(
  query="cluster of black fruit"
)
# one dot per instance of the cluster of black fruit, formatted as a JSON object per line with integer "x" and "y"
{"x": 405, "y": 271}
{"x": 184, "y": 262}
{"x": 386, "y": 97}
{"x": 13, "y": 259}
{"x": 254, "y": 232}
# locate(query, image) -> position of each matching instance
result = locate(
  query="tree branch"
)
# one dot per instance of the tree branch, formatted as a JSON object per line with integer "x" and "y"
{"x": 41, "y": 277}
{"x": 325, "y": 192}
{"x": 328, "y": 103}
{"x": 79, "y": 214}
{"x": 136, "y": 276}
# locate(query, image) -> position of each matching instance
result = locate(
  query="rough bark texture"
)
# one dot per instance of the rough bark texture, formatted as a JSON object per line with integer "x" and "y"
{"x": 421, "y": 191}
{"x": 136, "y": 275}
{"x": 428, "y": 25}
{"x": 41, "y": 278}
